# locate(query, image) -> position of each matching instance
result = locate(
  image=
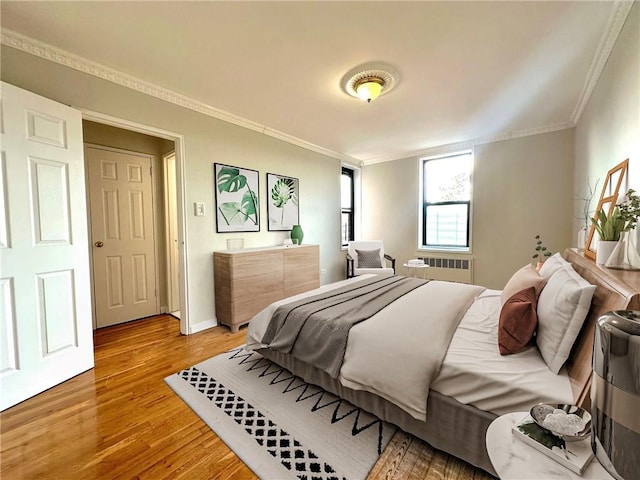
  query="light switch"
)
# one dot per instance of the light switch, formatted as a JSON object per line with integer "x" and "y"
{"x": 198, "y": 208}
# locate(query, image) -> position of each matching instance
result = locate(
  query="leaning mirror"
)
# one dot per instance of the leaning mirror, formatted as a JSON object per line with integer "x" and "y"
{"x": 607, "y": 202}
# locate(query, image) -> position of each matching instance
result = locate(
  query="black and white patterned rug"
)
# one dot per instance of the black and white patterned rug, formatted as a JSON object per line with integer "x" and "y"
{"x": 280, "y": 426}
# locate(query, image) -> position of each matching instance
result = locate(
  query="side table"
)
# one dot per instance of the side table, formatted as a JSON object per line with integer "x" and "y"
{"x": 412, "y": 269}
{"x": 513, "y": 459}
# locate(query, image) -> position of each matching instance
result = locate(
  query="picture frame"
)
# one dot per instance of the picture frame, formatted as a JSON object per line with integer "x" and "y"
{"x": 237, "y": 198}
{"x": 283, "y": 193}
{"x": 607, "y": 202}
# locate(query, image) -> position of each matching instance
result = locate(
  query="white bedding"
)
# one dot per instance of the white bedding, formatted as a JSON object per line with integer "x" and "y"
{"x": 493, "y": 383}
{"x": 473, "y": 371}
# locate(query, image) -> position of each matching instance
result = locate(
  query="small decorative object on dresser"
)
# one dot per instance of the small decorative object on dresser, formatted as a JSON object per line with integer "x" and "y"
{"x": 297, "y": 234}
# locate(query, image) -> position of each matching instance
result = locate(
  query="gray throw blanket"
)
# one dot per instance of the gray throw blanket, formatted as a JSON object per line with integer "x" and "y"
{"x": 315, "y": 329}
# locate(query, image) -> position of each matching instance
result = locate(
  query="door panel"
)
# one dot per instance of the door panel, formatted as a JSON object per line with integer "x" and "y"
{"x": 46, "y": 332}
{"x": 122, "y": 232}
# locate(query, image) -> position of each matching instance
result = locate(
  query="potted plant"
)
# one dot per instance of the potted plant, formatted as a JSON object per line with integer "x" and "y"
{"x": 541, "y": 253}
{"x": 623, "y": 218}
{"x": 630, "y": 210}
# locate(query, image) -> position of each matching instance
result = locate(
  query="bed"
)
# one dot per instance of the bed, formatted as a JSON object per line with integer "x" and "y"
{"x": 449, "y": 400}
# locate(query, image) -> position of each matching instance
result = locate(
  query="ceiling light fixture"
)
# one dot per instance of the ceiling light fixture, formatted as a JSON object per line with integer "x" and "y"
{"x": 369, "y": 88}
{"x": 369, "y": 81}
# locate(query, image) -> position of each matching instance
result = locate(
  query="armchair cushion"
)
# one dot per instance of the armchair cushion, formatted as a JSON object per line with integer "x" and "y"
{"x": 369, "y": 259}
{"x": 361, "y": 266}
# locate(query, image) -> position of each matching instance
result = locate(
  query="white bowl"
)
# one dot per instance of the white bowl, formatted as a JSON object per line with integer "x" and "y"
{"x": 540, "y": 411}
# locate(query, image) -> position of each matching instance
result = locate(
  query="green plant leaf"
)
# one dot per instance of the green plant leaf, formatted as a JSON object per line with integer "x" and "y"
{"x": 250, "y": 205}
{"x": 231, "y": 213}
{"x": 282, "y": 192}
{"x": 230, "y": 180}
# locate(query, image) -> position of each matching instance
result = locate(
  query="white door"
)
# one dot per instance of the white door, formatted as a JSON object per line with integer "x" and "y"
{"x": 45, "y": 300}
{"x": 122, "y": 235}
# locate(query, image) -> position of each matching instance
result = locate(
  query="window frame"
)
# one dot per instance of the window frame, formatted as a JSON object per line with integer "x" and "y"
{"x": 424, "y": 204}
{"x": 351, "y": 173}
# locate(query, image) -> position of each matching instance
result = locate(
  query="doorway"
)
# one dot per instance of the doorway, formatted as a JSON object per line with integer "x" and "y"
{"x": 172, "y": 243}
{"x": 134, "y": 139}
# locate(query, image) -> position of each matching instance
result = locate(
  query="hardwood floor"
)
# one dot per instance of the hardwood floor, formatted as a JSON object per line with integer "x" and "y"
{"x": 120, "y": 420}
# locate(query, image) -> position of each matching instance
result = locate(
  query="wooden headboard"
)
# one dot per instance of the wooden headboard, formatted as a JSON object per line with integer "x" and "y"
{"x": 615, "y": 290}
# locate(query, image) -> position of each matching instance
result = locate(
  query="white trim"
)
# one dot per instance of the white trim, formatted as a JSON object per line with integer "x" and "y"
{"x": 178, "y": 140}
{"x": 616, "y": 21}
{"x": 169, "y": 241}
{"x": 200, "y": 326}
{"x": 453, "y": 249}
{"x": 54, "y": 54}
{"x": 469, "y": 144}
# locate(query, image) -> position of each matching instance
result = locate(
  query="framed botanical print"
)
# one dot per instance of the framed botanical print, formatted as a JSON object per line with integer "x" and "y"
{"x": 237, "y": 199}
{"x": 282, "y": 202}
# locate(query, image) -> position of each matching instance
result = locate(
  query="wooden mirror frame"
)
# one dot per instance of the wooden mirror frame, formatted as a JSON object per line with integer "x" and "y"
{"x": 608, "y": 197}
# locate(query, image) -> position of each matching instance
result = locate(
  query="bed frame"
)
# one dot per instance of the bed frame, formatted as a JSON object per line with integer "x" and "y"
{"x": 460, "y": 429}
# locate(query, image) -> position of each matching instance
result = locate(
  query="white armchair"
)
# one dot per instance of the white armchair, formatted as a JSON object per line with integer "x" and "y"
{"x": 368, "y": 257}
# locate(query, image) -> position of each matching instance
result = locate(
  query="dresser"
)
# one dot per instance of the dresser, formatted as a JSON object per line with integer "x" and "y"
{"x": 248, "y": 280}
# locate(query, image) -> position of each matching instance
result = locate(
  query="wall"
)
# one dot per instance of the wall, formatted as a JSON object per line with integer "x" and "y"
{"x": 609, "y": 129}
{"x": 105, "y": 135}
{"x": 521, "y": 187}
{"x": 206, "y": 140}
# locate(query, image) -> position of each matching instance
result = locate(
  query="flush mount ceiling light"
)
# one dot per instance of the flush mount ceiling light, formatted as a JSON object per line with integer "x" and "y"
{"x": 369, "y": 81}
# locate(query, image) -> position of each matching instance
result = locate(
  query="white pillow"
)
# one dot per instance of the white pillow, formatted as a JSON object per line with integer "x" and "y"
{"x": 562, "y": 307}
{"x": 552, "y": 264}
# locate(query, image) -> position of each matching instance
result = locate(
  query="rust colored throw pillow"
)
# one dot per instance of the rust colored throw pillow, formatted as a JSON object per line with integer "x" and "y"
{"x": 518, "y": 321}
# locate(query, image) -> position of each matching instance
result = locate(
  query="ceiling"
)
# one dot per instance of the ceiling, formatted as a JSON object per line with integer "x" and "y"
{"x": 469, "y": 71}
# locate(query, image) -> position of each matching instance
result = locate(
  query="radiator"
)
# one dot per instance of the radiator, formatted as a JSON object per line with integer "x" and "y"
{"x": 449, "y": 269}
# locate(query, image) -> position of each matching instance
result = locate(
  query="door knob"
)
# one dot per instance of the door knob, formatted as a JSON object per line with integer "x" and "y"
{"x": 99, "y": 244}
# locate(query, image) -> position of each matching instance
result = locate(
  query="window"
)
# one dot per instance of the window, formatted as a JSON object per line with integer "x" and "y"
{"x": 446, "y": 201}
{"x": 347, "y": 187}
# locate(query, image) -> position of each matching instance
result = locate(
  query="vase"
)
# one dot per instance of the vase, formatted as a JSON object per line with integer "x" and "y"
{"x": 297, "y": 235}
{"x": 626, "y": 255}
{"x": 582, "y": 238}
{"x": 604, "y": 250}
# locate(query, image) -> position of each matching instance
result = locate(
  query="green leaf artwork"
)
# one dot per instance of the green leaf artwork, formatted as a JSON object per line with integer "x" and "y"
{"x": 281, "y": 193}
{"x": 236, "y": 202}
{"x": 282, "y": 202}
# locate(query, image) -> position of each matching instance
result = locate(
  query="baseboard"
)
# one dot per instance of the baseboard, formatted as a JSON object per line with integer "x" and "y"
{"x": 200, "y": 326}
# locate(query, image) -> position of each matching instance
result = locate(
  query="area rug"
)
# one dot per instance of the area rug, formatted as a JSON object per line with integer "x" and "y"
{"x": 280, "y": 426}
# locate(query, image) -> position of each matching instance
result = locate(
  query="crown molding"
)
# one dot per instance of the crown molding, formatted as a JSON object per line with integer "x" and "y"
{"x": 619, "y": 13}
{"x": 469, "y": 144}
{"x": 57, "y": 55}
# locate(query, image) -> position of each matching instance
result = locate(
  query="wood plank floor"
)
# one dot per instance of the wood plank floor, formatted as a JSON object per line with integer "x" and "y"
{"x": 121, "y": 421}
